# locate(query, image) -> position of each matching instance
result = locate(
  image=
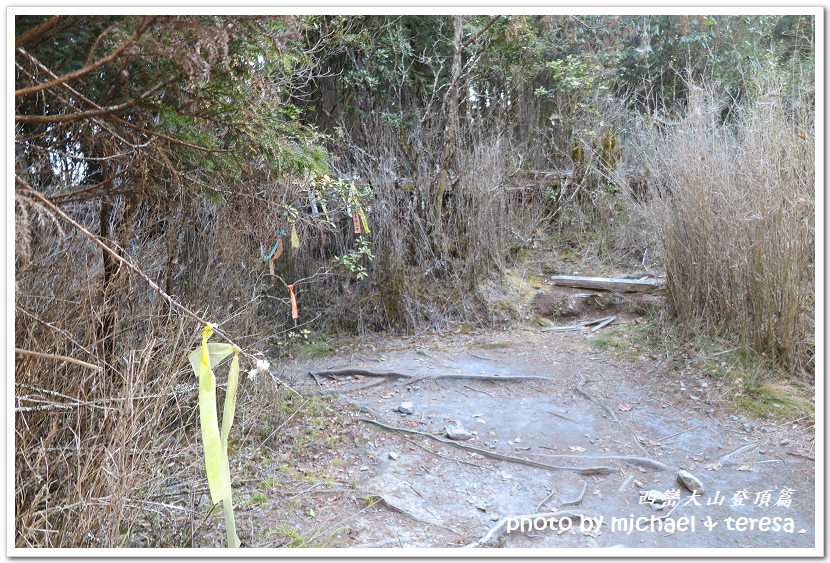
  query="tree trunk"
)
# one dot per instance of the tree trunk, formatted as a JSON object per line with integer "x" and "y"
{"x": 451, "y": 112}
{"x": 106, "y": 335}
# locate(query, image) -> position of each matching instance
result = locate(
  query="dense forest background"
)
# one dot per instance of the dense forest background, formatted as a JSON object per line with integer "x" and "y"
{"x": 176, "y": 170}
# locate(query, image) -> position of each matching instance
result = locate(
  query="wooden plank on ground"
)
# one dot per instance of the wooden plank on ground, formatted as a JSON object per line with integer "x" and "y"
{"x": 608, "y": 284}
{"x": 604, "y": 321}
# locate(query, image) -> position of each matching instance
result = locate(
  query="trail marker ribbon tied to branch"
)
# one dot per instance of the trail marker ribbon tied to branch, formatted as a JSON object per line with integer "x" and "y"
{"x": 203, "y": 359}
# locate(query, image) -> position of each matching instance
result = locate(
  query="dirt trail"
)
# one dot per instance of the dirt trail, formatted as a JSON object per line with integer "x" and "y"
{"x": 633, "y": 430}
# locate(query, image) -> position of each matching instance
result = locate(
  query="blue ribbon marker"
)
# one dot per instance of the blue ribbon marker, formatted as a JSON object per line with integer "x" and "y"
{"x": 273, "y": 250}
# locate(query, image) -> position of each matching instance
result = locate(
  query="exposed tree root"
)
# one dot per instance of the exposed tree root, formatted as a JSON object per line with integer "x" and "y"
{"x": 632, "y": 458}
{"x": 590, "y": 398}
{"x": 481, "y": 357}
{"x": 501, "y": 457}
{"x": 576, "y": 502}
{"x": 349, "y": 389}
{"x": 334, "y": 374}
{"x": 727, "y": 459}
{"x": 495, "y": 530}
{"x": 380, "y": 499}
{"x": 426, "y": 449}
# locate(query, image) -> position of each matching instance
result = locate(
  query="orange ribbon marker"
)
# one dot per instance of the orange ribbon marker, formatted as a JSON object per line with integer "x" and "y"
{"x": 293, "y": 302}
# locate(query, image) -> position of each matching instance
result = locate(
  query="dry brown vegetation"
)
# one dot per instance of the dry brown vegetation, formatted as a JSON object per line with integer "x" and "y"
{"x": 106, "y": 439}
{"x": 734, "y": 218}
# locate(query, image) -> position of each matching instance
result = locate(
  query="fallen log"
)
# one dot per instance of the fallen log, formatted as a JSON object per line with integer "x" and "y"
{"x": 608, "y": 284}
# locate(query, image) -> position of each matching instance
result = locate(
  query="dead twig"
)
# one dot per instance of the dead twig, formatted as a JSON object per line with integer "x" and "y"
{"x": 565, "y": 417}
{"x": 604, "y": 323}
{"x": 56, "y": 357}
{"x": 626, "y": 483}
{"x": 728, "y": 457}
{"x": 422, "y": 353}
{"x": 363, "y": 358}
{"x": 679, "y": 433}
{"x": 501, "y": 457}
{"x": 480, "y": 391}
{"x": 357, "y": 388}
{"x": 481, "y": 357}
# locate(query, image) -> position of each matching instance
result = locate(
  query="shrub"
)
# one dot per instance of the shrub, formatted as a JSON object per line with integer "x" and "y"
{"x": 733, "y": 212}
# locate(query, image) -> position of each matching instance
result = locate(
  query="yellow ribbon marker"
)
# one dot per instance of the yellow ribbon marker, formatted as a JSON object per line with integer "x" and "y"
{"x": 295, "y": 241}
{"x": 215, "y": 445}
{"x": 363, "y": 218}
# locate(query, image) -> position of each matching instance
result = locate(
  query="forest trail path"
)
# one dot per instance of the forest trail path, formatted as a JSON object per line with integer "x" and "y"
{"x": 596, "y": 411}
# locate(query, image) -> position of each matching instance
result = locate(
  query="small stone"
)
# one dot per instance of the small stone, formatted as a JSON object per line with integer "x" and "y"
{"x": 690, "y": 481}
{"x": 784, "y": 442}
{"x": 656, "y": 499}
{"x": 393, "y": 455}
{"x": 747, "y": 427}
{"x": 406, "y": 407}
{"x": 458, "y": 432}
{"x": 416, "y": 387}
{"x": 733, "y": 417}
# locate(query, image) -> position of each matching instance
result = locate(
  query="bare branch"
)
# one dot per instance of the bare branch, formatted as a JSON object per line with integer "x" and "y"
{"x": 143, "y": 26}
{"x": 66, "y": 117}
{"x": 482, "y": 30}
{"x": 83, "y": 98}
{"x": 39, "y": 31}
{"x": 56, "y": 357}
{"x": 173, "y": 303}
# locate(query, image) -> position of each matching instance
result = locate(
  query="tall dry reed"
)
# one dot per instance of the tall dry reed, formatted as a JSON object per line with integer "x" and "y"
{"x": 734, "y": 214}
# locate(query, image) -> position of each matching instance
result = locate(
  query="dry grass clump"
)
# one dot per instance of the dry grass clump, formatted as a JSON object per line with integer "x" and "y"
{"x": 92, "y": 453}
{"x": 734, "y": 215}
{"x": 104, "y": 419}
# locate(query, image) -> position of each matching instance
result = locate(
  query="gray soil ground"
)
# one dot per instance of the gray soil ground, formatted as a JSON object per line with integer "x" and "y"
{"x": 625, "y": 431}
